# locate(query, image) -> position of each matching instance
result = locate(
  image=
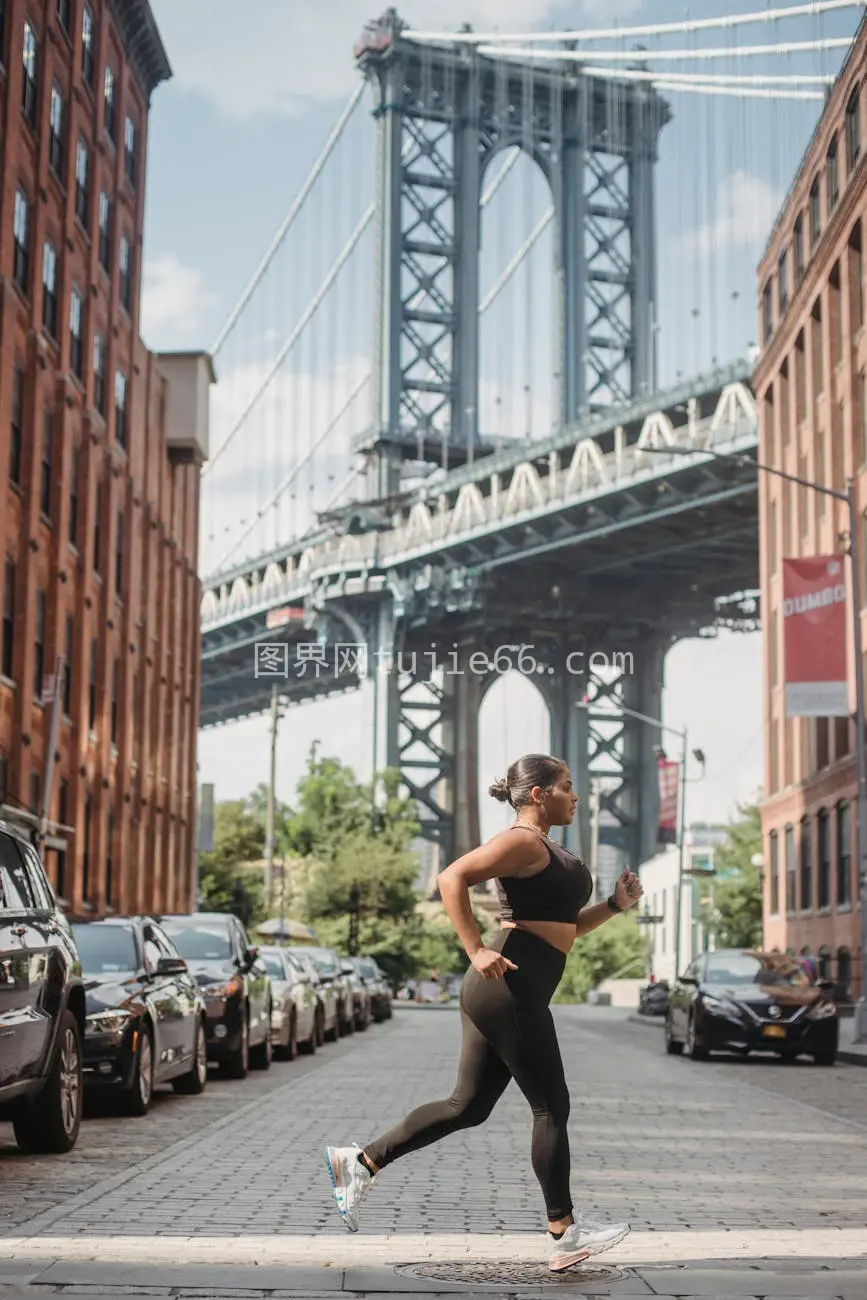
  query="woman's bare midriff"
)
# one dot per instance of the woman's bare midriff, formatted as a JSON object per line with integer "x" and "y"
{"x": 560, "y": 935}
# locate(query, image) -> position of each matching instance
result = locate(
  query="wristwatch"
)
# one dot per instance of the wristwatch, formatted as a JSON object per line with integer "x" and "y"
{"x": 613, "y": 905}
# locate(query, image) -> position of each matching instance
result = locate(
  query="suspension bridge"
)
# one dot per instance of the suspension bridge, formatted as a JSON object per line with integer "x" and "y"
{"x": 468, "y": 397}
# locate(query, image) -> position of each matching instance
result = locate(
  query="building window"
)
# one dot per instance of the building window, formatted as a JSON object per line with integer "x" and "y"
{"x": 73, "y": 496}
{"x": 45, "y": 468}
{"x": 798, "y": 249}
{"x": 844, "y": 855}
{"x": 99, "y": 374}
{"x": 110, "y": 103}
{"x": 8, "y": 618}
{"x": 64, "y": 13}
{"x": 818, "y": 350}
{"x": 82, "y": 184}
{"x": 85, "y": 856}
{"x": 815, "y": 215}
{"x": 21, "y": 231}
{"x": 790, "y": 868}
{"x": 833, "y": 175}
{"x": 109, "y": 865}
{"x": 774, "y": 875}
{"x": 130, "y": 151}
{"x": 783, "y": 280}
{"x": 115, "y": 679}
{"x": 841, "y": 738}
{"x": 39, "y": 645}
{"x": 120, "y": 416}
{"x": 843, "y": 991}
{"x": 91, "y": 694}
{"x": 49, "y": 289}
{"x": 16, "y": 447}
{"x": 856, "y": 277}
{"x": 88, "y": 42}
{"x": 97, "y": 528}
{"x": 767, "y": 312}
{"x": 105, "y": 232}
{"x": 55, "y": 146}
{"x": 118, "y": 555}
{"x": 63, "y": 818}
{"x": 76, "y": 326}
{"x": 67, "y": 678}
{"x": 125, "y": 276}
{"x": 806, "y": 865}
{"x": 28, "y": 89}
{"x": 822, "y": 746}
{"x": 853, "y": 130}
{"x": 824, "y": 898}
{"x": 34, "y": 791}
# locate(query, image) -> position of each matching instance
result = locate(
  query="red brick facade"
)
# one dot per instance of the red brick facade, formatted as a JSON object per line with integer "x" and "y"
{"x": 811, "y": 386}
{"x": 99, "y": 528}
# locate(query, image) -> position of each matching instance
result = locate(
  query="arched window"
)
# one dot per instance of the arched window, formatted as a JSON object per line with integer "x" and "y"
{"x": 844, "y": 854}
{"x": 824, "y": 963}
{"x": 790, "y": 868}
{"x": 806, "y": 865}
{"x": 824, "y": 880}
{"x": 843, "y": 990}
{"x": 853, "y": 130}
{"x": 832, "y": 176}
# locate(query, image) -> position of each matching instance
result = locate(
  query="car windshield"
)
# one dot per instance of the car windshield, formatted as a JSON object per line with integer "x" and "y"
{"x": 745, "y": 968}
{"x": 199, "y": 942}
{"x": 324, "y": 961}
{"x": 105, "y": 949}
{"x": 274, "y": 966}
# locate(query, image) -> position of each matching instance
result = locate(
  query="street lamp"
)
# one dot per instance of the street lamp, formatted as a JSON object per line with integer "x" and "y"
{"x": 698, "y": 755}
{"x": 854, "y": 562}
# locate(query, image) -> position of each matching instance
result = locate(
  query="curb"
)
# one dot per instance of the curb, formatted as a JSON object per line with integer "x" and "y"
{"x": 850, "y": 1055}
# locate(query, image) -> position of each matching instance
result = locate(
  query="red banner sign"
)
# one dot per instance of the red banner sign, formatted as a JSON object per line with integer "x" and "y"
{"x": 669, "y": 779}
{"x": 814, "y": 637}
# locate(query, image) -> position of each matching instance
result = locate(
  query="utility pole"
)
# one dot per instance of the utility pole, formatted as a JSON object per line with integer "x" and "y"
{"x": 269, "y": 831}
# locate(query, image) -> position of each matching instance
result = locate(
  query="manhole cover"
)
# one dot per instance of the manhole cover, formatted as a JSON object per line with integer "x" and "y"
{"x": 529, "y": 1273}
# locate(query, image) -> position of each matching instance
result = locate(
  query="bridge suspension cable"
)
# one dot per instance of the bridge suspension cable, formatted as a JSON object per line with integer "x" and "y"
{"x": 649, "y": 56}
{"x": 313, "y": 307}
{"x": 726, "y": 21}
{"x": 289, "y": 220}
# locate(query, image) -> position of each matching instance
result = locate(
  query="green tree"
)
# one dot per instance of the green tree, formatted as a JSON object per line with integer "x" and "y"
{"x": 225, "y": 883}
{"x": 618, "y": 944}
{"x": 737, "y": 920}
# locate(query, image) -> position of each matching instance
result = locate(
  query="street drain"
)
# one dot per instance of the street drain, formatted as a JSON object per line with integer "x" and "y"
{"x": 528, "y": 1273}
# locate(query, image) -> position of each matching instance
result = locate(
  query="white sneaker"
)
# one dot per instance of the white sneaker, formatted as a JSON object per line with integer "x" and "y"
{"x": 350, "y": 1180}
{"x": 583, "y": 1238}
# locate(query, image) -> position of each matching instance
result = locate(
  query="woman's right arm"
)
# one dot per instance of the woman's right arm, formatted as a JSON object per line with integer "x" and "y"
{"x": 510, "y": 853}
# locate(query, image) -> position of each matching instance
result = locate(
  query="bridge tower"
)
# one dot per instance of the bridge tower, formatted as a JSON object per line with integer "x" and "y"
{"x": 443, "y": 115}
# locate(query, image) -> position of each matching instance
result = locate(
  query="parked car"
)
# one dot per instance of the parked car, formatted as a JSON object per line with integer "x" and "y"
{"x": 234, "y": 983}
{"x": 41, "y": 1005}
{"x": 327, "y": 996}
{"x": 145, "y": 1014}
{"x": 741, "y": 1000}
{"x": 330, "y": 967}
{"x": 295, "y": 1007}
{"x": 653, "y": 999}
{"x": 378, "y": 988}
{"x": 362, "y": 1007}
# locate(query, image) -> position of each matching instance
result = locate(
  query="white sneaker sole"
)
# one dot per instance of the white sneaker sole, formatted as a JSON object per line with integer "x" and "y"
{"x": 560, "y": 1263}
{"x": 329, "y": 1165}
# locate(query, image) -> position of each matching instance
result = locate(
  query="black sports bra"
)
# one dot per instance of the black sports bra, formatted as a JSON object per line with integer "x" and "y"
{"x": 556, "y": 893}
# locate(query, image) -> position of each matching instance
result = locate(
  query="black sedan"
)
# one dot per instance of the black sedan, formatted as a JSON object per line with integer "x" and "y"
{"x": 145, "y": 1018}
{"x": 235, "y": 985}
{"x": 740, "y": 1000}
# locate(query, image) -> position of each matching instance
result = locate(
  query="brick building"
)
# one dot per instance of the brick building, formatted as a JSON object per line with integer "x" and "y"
{"x": 811, "y": 386}
{"x": 101, "y": 444}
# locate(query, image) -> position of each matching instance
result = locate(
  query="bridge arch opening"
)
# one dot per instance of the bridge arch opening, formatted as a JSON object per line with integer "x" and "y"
{"x": 514, "y": 720}
{"x": 518, "y": 342}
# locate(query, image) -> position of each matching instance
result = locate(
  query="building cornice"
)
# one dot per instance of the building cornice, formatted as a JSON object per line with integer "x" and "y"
{"x": 142, "y": 42}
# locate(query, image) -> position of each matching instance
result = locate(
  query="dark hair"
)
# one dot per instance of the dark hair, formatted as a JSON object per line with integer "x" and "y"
{"x": 529, "y": 771}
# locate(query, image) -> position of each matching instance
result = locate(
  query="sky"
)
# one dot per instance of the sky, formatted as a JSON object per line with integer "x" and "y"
{"x": 233, "y": 137}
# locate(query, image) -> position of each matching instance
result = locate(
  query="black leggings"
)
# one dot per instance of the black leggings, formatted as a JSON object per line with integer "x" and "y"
{"x": 508, "y": 1033}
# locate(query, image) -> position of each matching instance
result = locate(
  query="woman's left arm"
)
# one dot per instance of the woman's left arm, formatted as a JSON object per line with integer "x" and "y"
{"x": 627, "y": 892}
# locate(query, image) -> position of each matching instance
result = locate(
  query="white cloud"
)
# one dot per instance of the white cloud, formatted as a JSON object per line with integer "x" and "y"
{"x": 747, "y": 207}
{"x": 175, "y": 301}
{"x": 297, "y": 53}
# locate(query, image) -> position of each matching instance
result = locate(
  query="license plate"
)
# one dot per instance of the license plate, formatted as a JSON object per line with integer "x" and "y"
{"x": 774, "y": 1031}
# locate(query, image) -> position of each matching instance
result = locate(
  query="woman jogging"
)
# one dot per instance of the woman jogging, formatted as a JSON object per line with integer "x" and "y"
{"x": 507, "y": 1026}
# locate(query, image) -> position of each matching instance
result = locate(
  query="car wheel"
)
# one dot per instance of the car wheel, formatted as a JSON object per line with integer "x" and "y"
{"x": 48, "y": 1123}
{"x": 192, "y": 1084}
{"x": 138, "y": 1098}
{"x": 309, "y": 1047}
{"x": 261, "y": 1054}
{"x": 292, "y": 1041}
{"x": 237, "y": 1065}
{"x": 825, "y": 1058}
{"x": 671, "y": 1047}
{"x": 694, "y": 1050}
{"x": 331, "y": 1035}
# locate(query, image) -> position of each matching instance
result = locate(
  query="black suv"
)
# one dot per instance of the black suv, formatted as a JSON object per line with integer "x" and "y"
{"x": 41, "y": 1005}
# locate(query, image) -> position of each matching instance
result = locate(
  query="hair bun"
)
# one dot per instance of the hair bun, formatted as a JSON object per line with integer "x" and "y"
{"x": 500, "y": 790}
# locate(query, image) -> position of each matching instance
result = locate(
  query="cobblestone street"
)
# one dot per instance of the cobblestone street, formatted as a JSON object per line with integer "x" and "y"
{"x": 739, "y": 1179}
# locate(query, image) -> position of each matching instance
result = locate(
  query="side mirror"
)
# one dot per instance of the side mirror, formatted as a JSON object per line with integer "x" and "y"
{"x": 172, "y": 966}
{"x": 688, "y": 979}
